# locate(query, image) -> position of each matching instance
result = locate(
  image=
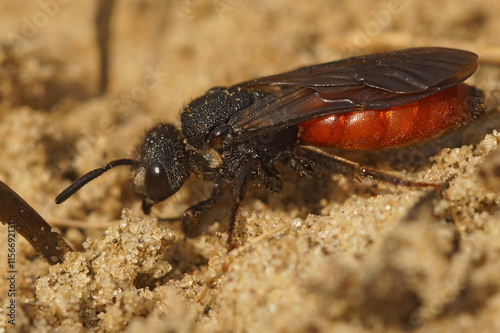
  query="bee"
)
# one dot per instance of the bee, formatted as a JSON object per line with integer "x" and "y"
{"x": 231, "y": 135}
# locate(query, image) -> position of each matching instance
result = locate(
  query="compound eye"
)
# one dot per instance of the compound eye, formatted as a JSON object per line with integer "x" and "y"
{"x": 156, "y": 183}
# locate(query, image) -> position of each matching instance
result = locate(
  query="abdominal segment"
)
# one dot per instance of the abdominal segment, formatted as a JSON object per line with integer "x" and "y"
{"x": 396, "y": 126}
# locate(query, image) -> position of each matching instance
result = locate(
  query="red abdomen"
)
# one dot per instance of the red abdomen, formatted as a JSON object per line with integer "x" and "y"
{"x": 392, "y": 127}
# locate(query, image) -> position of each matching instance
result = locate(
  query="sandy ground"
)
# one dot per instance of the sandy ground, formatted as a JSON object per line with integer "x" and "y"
{"x": 324, "y": 255}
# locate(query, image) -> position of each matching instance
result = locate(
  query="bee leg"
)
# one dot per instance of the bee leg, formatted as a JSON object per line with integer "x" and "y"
{"x": 338, "y": 165}
{"x": 190, "y": 217}
{"x": 237, "y": 191}
{"x": 269, "y": 176}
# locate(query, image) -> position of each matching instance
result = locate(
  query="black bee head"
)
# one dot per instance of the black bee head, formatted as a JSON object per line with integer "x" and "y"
{"x": 162, "y": 166}
{"x": 158, "y": 172}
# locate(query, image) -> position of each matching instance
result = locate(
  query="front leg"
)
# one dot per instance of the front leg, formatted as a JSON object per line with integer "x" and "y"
{"x": 237, "y": 191}
{"x": 238, "y": 184}
{"x": 190, "y": 217}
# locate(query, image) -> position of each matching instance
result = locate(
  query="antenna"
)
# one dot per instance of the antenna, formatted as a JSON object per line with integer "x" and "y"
{"x": 83, "y": 180}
